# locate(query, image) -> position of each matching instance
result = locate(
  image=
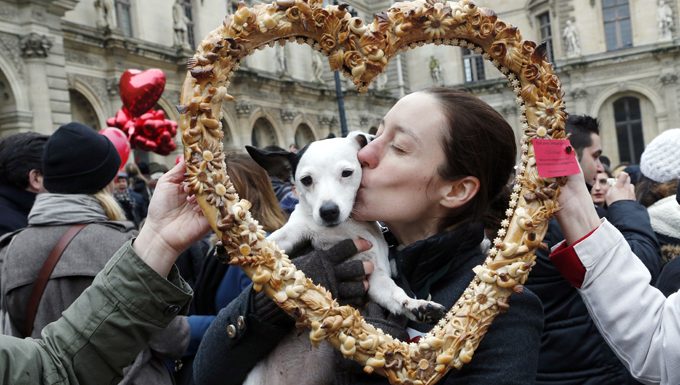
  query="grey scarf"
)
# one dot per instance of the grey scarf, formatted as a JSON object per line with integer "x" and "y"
{"x": 61, "y": 209}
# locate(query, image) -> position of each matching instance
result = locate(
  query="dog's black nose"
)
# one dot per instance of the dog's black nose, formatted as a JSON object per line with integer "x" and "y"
{"x": 329, "y": 212}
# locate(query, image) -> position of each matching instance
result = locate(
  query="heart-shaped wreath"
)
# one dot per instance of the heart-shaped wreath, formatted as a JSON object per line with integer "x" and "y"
{"x": 361, "y": 52}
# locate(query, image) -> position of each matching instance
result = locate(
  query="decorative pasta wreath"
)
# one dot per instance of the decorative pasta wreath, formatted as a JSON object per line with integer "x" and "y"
{"x": 361, "y": 52}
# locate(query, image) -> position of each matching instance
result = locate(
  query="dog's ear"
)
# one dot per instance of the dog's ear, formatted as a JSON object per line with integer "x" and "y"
{"x": 361, "y": 137}
{"x": 275, "y": 161}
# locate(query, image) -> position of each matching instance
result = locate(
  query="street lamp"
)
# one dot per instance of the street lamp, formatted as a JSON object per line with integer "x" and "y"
{"x": 339, "y": 95}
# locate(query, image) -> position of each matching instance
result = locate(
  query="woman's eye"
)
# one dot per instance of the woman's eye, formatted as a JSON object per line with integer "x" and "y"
{"x": 398, "y": 149}
{"x": 306, "y": 181}
{"x": 347, "y": 173}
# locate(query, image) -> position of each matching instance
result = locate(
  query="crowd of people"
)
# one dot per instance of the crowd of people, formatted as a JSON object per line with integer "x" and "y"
{"x": 98, "y": 260}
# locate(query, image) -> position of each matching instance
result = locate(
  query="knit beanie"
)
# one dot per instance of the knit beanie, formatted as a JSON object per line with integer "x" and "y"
{"x": 660, "y": 161}
{"x": 78, "y": 160}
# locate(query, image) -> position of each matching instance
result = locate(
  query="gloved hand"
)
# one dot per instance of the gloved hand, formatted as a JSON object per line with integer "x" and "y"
{"x": 349, "y": 371}
{"x": 394, "y": 325}
{"x": 330, "y": 268}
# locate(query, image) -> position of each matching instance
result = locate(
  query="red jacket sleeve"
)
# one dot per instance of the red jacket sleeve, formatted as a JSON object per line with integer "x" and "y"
{"x": 565, "y": 259}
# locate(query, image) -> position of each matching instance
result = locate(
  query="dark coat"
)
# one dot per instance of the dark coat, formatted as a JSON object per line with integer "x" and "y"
{"x": 669, "y": 279}
{"x": 572, "y": 349}
{"x": 15, "y": 204}
{"x": 508, "y": 353}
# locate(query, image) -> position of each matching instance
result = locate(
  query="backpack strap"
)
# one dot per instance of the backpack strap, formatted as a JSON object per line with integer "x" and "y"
{"x": 44, "y": 276}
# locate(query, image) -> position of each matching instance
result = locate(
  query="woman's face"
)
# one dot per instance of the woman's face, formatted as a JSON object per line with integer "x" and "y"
{"x": 400, "y": 184}
{"x": 600, "y": 188}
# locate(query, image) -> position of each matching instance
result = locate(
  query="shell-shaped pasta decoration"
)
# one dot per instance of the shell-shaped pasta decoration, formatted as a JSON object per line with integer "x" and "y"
{"x": 361, "y": 52}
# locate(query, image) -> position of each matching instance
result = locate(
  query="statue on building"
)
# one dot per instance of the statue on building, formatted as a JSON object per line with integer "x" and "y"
{"x": 180, "y": 23}
{"x": 435, "y": 71}
{"x": 571, "y": 40}
{"x": 106, "y": 13}
{"x": 281, "y": 59}
{"x": 664, "y": 20}
{"x": 317, "y": 66}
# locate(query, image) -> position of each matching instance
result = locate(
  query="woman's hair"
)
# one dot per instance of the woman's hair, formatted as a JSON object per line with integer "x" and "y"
{"x": 606, "y": 171}
{"x": 477, "y": 142}
{"x": 252, "y": 184}
{"x": 648, "y": 191}
{"x": 110, "y": 205}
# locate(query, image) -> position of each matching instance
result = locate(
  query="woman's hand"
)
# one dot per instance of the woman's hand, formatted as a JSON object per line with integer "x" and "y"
{"x": 173, "y": 223}
{"x": 621, "y": 190}
{"x": 577, "y": 216}
{"x": 346, "y": 279}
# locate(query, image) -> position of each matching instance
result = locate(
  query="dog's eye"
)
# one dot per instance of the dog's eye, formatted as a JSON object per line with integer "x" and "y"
{"x": 347, "y": 173}
{"x": 306, "y": 181}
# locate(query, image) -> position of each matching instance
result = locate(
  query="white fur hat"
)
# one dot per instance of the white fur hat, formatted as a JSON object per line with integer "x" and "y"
{"x": 660, "y": 161}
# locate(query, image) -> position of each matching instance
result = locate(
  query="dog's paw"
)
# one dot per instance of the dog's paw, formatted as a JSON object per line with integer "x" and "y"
{"x": 424, "y": 311}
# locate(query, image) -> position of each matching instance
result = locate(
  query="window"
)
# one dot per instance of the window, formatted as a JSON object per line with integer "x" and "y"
{"x": 228, "y": 139}
{"x": 473, "y": 64}
{"x": 82, "y": 110}
{"x": 263, "y": 134}
{"x": 617, "y": 26}
{"x": 303, "y": 135}
{"x": 124, "y": 16}
{"x": 190, "y": 23}
{"x": 5, "y": 92}
{"x": 629, "y": 129}
{"x": 545, "y": 32}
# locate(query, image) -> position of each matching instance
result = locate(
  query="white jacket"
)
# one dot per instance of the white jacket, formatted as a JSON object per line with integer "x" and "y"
{"x": 640, "y": 324}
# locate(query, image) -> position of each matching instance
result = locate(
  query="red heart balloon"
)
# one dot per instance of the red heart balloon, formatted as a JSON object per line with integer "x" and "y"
{"x": 140, "y": 90}
{"x": 150, "y": 131}
{"x": 120, "y": 142}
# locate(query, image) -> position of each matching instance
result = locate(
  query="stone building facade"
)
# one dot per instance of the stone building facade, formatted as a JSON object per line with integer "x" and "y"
{"x": 61, "y": 60}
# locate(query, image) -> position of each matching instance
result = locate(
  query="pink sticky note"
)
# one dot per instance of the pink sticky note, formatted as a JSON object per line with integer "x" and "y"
{"x": 555, "y": 158}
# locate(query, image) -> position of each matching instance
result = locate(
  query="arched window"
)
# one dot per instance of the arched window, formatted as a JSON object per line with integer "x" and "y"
{"x": 617, "y": 26}
{"x": 263, "y": 134}
{"x": 629, "y": 136}
{"x": 6, "y": 95}
{"x": 228, "y": 139}
{"x": 303, "y": 135}
{"x": 82, "y": 111}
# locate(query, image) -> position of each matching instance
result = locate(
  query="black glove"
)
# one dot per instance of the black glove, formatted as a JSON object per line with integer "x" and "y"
{"x": 349, "y": 371}
{"x": 394, "y": 325}
{"x": 330, "y": 268}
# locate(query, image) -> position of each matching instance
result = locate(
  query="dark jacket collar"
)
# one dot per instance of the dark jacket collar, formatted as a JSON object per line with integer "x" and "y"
{"x": 22, "y": 200}
{"x": 423, "y": 263}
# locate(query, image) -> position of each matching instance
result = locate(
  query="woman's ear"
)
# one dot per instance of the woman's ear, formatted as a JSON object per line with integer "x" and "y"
{"x": 35, "y": 181}
{"x": 459, "y": 192}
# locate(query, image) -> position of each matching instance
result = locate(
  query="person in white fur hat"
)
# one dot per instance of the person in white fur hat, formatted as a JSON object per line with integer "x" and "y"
{"x": 660, "y": 167}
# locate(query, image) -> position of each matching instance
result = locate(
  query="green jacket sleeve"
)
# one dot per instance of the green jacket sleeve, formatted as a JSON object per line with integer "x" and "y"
{"x": 102, "y": 331}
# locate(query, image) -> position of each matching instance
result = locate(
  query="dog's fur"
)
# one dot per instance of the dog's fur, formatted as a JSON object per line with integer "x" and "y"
{"x": 327, "y": 178}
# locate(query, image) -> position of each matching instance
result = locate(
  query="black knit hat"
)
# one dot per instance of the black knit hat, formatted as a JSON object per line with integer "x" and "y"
{"x": 78, "y": 160}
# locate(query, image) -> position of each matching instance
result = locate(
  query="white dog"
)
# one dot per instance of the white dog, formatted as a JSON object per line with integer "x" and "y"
{"x": 327, "y": 178}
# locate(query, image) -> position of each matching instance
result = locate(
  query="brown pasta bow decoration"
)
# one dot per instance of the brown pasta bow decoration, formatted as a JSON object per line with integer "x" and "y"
{"x": 361, "y": 52}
